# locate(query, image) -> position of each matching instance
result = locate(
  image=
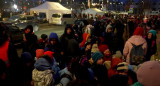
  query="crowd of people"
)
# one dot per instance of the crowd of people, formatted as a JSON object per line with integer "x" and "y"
{"x": 111, "y": 52}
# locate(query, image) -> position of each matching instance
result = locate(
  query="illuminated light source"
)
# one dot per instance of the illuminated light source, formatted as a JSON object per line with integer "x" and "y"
{"x": 15, "y": 6}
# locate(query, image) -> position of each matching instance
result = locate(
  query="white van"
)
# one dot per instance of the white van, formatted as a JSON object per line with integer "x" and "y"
{"x": 62, "y": 19}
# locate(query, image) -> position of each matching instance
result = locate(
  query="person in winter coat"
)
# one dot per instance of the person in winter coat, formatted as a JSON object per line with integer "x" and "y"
{"x": 151, "y": 44}
{"x": 54, "y": 46}
{"x": 108, "y": 38}
{"x": 69, "y": 45}
{"x": 42, "y": 75}
{"x": 8, "y": 52}
{"x": 43, "y": 41}
{"x": 30, "y": 41}
{"x": 136, "y": 39}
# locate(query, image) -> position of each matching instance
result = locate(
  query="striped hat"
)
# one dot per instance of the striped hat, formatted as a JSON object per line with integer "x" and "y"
{"x": 123, "y": 66}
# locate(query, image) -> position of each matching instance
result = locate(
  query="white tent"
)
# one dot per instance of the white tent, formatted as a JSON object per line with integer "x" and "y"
{"x": 93, "y": 12}
{"x": 51, "y": 8}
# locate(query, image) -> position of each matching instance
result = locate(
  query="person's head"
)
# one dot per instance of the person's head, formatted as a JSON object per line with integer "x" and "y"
{"x": 151, "y": 34}
{"x": 29, "y": 29}
{"x": 53, "y": 38}
{"x": 44, "y": 37}
{"x": 49, "y": 53}
{"x": 122, "y": 68}
{"x": 88, "y": 46}
{"x": 102, "y": 48}
{"x": 3, "y": 33}
{"x": 68, "y": 30}
{"x": 139, "y": 31}
{"x": 107, "y": 53}
{"x": 27, "y": 58}
{"x": 97, "y": 58}
{"x": 148, "y": 74}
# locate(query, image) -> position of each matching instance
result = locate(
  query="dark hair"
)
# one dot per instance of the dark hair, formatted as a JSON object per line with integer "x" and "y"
{"x": 3, "y": 33}
{"x": 44, "y": 36}
{"x": 29, "y": 27}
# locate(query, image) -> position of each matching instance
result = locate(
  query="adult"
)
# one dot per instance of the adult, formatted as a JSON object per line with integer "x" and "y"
{"x": 137, "y": 40}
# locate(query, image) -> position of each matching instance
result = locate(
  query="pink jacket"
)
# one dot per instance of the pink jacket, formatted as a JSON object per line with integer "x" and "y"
{"x": 137, "y": 40}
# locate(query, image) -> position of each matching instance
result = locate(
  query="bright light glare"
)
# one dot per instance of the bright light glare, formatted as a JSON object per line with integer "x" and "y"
{"x": 15, "y": 6}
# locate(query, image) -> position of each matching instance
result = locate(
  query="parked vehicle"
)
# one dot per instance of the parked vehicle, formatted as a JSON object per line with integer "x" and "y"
{"x": 62, "y": 19}
{"x": 21, "y": 21}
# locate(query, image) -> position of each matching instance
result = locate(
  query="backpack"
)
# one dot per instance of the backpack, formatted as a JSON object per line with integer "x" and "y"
{"x": 137, "y": 55}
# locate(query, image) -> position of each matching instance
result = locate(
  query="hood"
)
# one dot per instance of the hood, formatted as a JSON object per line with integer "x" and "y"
{"x": 85, "y": 38}
{"x": 53, "y": 35}
{"x": 137, "y": 40}
{"x": 42, "y": 64}
{"x": 153, "y": 32}
{"x": 38, "y": 76}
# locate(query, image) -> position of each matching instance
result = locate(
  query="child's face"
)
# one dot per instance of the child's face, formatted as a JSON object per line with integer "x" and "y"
{"x": 109, "y": 30}
{"x": 53, "y": 41}
{"x": 107, "y": 52}
{"x": 149, "y": 35}
{"x": 68, "y": 31}
{"x": 88, "y": 47}
{"x": 100, "y": 61}
{"x": 28, "y": 30}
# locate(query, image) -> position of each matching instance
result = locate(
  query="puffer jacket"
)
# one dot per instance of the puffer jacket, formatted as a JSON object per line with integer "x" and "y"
{"x": 42, "y": 78}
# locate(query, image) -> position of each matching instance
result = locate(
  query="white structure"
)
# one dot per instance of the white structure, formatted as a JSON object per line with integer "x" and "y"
{"x": 51, "y": 8}
{"x": 92, "y": 12}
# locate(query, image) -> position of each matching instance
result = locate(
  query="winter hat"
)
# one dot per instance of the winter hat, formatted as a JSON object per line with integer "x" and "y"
{"x": 39, "y": 53}
{"x": 94, "y": 48}
{"x": 123, "y": 66}
{"x": 153, "y": 32}
{"x": 148, "y": 74}
{"x": 139, "y": 31}
{"x": 115, "y": 62}
{"x": 96, "y": 56}
{"x": 49, "y": 53}
{"x": 53, "y": 36}
{"x": 118, "y": 54}
{"x": 102, "y": 48}
{"x": 108, "y": 26}
{"x": 26, "y": 57}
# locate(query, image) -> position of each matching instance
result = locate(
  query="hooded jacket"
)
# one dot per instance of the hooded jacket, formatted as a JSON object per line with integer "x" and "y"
{"x": 42, "y": 75}
{"x": 136, "y": 40}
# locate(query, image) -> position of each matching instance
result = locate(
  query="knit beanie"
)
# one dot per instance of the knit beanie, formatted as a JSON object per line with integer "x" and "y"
{"x": 96, "y": 56}
{"x": 94, "y": 48}
{"x": 153, "y": 32}
{"x": 49, "y": 53}
{"x": 118, "y": 54}
{"x": 149, "y": 73}
{"x": 123, "y": 66}
{"x": 102, "y": 48}
{"x": 39, "y": 53}
{"x": 26, "y": 57}
{"x": 115, "y": 62}
{"x": 139, "y": 31}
